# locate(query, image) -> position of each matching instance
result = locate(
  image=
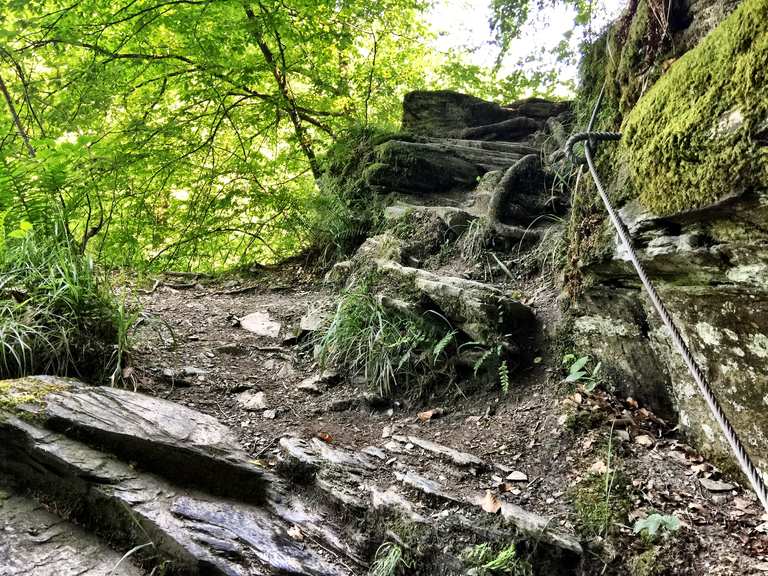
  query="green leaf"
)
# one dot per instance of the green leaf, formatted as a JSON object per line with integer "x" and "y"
{"x": 575, "y": 376}
{"x": 579, "y": 364}
{"x": 656, "y": 524}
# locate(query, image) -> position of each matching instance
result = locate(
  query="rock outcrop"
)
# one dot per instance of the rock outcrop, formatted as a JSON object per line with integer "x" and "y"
{"x": 139, "y": 470}
{"x": 690, "y": 178}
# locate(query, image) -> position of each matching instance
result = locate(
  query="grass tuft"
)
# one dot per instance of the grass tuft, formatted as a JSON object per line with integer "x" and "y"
{"x": 57, "y": 313}
{"x": 389, "y": 559}
{"x": 391, "y": 346}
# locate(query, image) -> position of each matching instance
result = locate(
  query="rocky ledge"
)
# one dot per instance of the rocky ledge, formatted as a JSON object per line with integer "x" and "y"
{"x": 174, "y": 487}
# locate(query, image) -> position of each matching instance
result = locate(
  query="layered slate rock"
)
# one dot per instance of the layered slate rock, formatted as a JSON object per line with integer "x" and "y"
{"x": 196, "y": 531}
{"x": 481, "y": 311}
{"x": 162, "y": 436}
{"x": 447, "y": 113}
{"x": 36, "y": 542}
{"x": 352, "y": 480}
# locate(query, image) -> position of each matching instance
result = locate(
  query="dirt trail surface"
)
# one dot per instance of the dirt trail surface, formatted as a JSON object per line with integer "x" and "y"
{"x": 534, "y": 448}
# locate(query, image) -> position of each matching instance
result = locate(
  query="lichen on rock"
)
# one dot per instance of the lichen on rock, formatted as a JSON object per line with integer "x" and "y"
{"x": 695, "y": 136}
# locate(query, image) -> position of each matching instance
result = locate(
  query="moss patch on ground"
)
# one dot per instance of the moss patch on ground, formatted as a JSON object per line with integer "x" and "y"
{"x": 692, "y": 138}
{"x": 601, "y": 501}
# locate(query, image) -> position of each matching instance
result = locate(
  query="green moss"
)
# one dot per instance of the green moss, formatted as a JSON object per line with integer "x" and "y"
{"x": 645, "y": 564}
{"x": 26, "y": 391}
{"x": 690, "y": 139}
{"x": 601, "y": 501}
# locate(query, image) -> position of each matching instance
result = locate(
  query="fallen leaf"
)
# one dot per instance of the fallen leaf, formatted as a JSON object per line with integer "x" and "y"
{"x": 325, "y": 437}
{"x": 631, "y": 402}
{"x": 742, "y": 503}
{"x": 489, "y": 503}
{"x": 517, "y": 476}
{"x": 700, "y": 468}
{"x": 295, "y": 533}
{"x": 427, "y": 415}
{"x": 598, "y": 467}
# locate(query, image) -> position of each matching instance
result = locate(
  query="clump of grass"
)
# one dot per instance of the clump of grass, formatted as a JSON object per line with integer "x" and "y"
{"x": 472, "y": 243}
{"x": 57, "y": 313}
{"x": 391, "y": 346}
{"x": 486, "y": 561}
{"x": 601, "y": 501}
{"x": 389, "y": 560}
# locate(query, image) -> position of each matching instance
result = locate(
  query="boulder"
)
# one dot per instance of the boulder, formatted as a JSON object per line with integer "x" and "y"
{"x": 483, "y": 312}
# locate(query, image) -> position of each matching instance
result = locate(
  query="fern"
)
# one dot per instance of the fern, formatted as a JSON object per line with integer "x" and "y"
{"x": 504, "y": 377}
{"x": 443, "y": 343}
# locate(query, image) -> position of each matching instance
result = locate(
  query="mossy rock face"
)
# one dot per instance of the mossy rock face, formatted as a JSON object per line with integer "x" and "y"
{"x": 700, "y": 133}
{"x": 24, "y": 392}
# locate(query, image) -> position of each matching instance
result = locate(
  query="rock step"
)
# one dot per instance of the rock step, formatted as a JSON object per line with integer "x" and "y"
{"x": 452, "y": 216}
{"x": 161, "y": 436}
{"x": 352, "y": 480}
{"x": 36, "y": 542}
{"x": 483, "y": 312}
{"x": 510, "y": 148}
{"x": 468, "y": 150}
{"x": 436, "y": 166}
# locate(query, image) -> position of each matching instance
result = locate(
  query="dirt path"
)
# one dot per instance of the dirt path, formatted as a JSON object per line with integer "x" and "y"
{"x": 191, "y": 349}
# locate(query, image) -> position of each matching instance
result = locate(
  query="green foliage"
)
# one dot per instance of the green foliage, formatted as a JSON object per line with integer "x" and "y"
{"x": 389, "y": 560}
{"x": 505, "y": 561}
{"x": 491, "y": 356}
{"x": 656, "y": 526}
{"x": 579, "y": 370}
{"x": 57, "y": 314}
{"x": 686, "y": 151}
{"x": 391, "y": 347}
{"x": 191, "y": 134}
{"x": 188, "y": 133}
{"x": 602, "y": 500}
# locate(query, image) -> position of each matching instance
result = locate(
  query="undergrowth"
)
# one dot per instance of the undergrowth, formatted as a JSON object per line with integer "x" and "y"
{"x": 391, "y": 346}
{"x": 57, "y": 313}
{"x": 602, "y": 500}
{"x": 389, "y": 560}
{"x": 347, "y": 209}
{"x": 487, "y": 561}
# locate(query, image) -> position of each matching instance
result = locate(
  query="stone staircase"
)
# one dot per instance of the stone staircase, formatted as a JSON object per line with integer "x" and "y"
{"x": 174, "y": 486}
